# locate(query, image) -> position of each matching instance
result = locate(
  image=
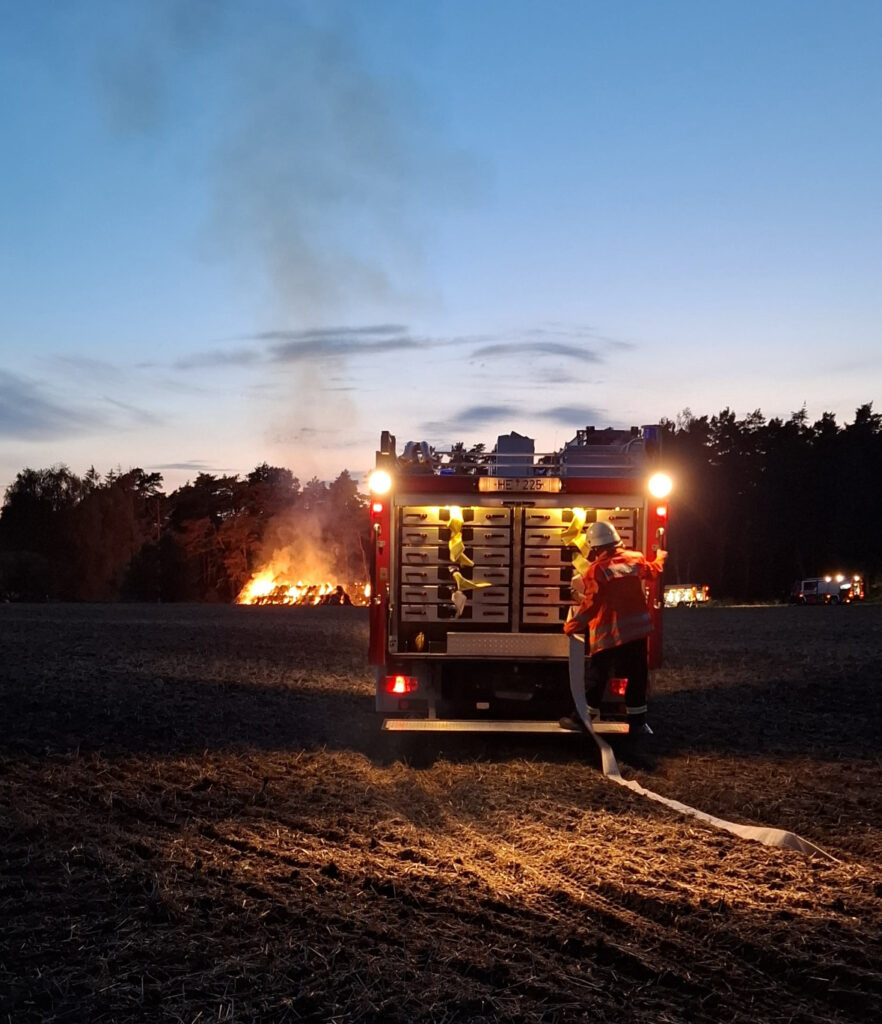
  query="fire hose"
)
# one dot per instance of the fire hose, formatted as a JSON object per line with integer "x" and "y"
{"x": 760, "y": 833}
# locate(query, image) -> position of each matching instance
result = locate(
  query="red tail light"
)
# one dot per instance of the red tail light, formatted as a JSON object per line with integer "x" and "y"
{"x": 617, "y": 687}
{"x": 400, "y": 684}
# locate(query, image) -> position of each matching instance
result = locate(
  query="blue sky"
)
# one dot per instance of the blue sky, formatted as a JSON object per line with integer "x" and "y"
{"x": 237, "y": 233}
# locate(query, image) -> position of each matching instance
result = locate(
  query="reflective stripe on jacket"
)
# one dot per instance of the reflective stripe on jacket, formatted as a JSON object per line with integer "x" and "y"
{"x": 614, "y": 610}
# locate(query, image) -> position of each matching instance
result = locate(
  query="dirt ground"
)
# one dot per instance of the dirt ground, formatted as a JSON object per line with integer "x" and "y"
{"x": 201, "y": 821}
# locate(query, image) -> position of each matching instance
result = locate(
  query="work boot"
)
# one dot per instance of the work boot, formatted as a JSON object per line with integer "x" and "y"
{"x": 637, "y": 726}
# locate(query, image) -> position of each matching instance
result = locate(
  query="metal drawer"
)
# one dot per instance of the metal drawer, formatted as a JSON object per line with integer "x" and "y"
{"x": 429, "y": 575}
{"x": 425, "y": 574}
{"x": 421, "y": 535}
{"x": 490, "y": 536}
{"x": 489, "y": 556}
{"x": 547, "y": 516}
{"x": 435, "y": 515}
{"x": 547, "y": 576}
{"x": 442, "y": 594}
{"x": 482, "y": 536}
{"x": 489, "y": 574}
{"x": 414, "y": 594}
{"x": 420, "y": 515}
{"x": 433, "y": 555}
{"x": 544, "y": 595}
{"x": 623, "y": 521}
{"x": 548, "y": 556}
{"x": 424, "y": 556}
{"x": 447, "y": 613}
{"x": 487, "y": 516}
{"x": 535, "y": 615}
{"x": 546, "y": 537}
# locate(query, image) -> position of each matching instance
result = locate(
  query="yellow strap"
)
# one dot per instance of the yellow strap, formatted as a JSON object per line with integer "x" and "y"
{"x": 575, "y": 527}
{"x": 464, "y": 584}
{"x": 581, "y": 564}
{"x": 456, "y": 545}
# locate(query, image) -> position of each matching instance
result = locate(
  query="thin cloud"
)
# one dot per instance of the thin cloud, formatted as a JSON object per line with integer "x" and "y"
{"x": 142, "y": 417}
{"x": 312, "y": 347}
{"x": 284, "y": 346}
{"x": 337, "y": 342}
{"x": 26, "y": 413}
{"x": 317, "y": 333}
{"x": 218, "y": 358}
{"x": 568, "y": 341}
{"x": 577, "y": 331}
{"x": 537, "y": 348}
{"x": 469, "y": 418}
{"x": 571, "y": 415}
{"x": 191, "y": 464}
{"x": 341, "y": 342}
{"x": 476, "y": 414}
{"x": 341, "y": 347}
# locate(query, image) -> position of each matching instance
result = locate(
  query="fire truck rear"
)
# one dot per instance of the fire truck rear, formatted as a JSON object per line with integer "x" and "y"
{"x": 473, "y": 554}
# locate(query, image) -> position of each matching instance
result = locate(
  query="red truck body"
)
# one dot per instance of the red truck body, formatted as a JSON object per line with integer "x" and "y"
{"x": 472, "y": 558}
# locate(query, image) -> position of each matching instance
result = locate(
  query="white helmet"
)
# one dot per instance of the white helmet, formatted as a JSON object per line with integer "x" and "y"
{"x": 601, "y": 534}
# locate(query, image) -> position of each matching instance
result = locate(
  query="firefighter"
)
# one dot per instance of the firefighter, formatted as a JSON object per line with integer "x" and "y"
{"x": 614, "y": 613}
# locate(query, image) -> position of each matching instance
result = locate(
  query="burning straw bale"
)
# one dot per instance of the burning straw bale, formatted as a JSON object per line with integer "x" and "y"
{"x": 199, "y": 821}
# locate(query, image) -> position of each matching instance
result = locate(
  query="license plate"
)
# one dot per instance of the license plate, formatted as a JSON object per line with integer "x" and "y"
{"x": 529, "y": 484}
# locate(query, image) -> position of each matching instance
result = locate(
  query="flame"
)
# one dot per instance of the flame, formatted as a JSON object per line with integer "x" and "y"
{"x": 270, "y": 587}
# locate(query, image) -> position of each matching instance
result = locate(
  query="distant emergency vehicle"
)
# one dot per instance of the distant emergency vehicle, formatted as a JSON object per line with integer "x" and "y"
{"x": 686, "y": 595}
{"x": 838, "y": 589}
{"x": 472, "y": 557}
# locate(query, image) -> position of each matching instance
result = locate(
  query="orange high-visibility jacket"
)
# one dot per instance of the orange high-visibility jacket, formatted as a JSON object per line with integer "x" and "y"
{"x": 614, "y": 608}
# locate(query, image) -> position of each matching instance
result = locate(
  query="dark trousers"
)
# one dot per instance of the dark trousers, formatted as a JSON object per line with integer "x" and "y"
{"x": 630, "y": 661}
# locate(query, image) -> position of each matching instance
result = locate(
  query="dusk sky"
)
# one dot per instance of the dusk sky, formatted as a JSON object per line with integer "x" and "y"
{"x": 237, "y": 233}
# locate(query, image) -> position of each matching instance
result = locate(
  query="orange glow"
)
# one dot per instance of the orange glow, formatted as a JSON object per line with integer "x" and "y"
{"x": 269, "y": 587}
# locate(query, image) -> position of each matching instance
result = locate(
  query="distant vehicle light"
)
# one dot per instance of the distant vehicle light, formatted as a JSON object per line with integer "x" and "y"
{"x": 379, "y": 481}
{"x": 660, "y": 485}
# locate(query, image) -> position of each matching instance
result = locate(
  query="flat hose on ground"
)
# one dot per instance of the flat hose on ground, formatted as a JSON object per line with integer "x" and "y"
{"x": 762, "y": 834}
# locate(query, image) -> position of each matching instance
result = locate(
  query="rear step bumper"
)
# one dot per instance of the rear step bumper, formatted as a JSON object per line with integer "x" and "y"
{"x": 488, "y": 725}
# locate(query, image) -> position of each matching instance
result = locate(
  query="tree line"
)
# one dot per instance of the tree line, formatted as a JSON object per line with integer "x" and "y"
{"x": 757, "y": 504}
{"x": 120, "y": 537}
{"x": 761, "y": 503}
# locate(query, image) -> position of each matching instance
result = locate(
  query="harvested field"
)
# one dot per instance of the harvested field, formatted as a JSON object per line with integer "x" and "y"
{"x": 200, "y": 821}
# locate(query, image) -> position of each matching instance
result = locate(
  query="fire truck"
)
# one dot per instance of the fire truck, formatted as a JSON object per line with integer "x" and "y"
{"x": 473, "y": 553}
{"x": 686, "y": 595}
{"x": 838, "y": 589}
